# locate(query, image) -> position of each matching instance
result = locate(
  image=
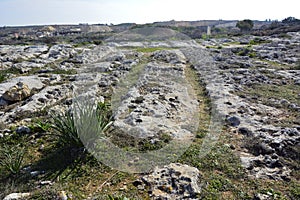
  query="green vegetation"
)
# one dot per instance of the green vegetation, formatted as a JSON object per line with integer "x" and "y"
{"x": 204, "y": 36}
{"x": 277, "y": 65}
{"x": 146, "y": 145}
{"x": 290, "y": 20}
{"x": 295, "y": 190}
{"x": 40, "y": 126}
{"x": 56, "y": 152}
{"x": 6, "y": 72}
{"x": 245, "y": 25}
{"x": 221, "y": 169}
{"x": 271, "y": 95}
{"x": 214, "y": 47}
{"x": 2, "y": 77}
{"x": 11, "y": 158}
{"x": 246, "y": 51}
{"x": 258, "y": 41}
{"x": 86, "y": 43}
{"x": 64, "y": 125}
{"x": 110, "y": 197}
{"x": 67, "y": 129}
{"x": 151, "y": 49}
{"x": 265, "y": 92}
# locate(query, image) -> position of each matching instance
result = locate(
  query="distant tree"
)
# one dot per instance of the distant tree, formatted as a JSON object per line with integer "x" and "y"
{"x": 290, "y": 20}
{"x": 245, "y": 25}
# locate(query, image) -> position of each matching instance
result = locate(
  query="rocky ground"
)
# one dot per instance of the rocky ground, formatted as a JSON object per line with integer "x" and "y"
{"x": 228, "y": 108}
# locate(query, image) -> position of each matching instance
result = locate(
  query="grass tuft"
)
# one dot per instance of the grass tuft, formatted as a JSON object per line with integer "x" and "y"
{"x": 64, "y": 125}
{"x": 12, "y": 158}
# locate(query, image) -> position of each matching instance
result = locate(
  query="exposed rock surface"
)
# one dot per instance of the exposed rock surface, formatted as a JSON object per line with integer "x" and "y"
{"x": 151, "y": 96}
{"x": 160, "y": 101}
{"x": 18, "y": 92}
{"x": 175, "y": 181}
{"x": 232, "y": 72}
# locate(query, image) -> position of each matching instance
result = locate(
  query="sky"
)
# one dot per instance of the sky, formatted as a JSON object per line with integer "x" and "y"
{"x": 39, "y": 12}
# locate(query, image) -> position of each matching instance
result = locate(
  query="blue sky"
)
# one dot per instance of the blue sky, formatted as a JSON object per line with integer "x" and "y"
{"x": 30, "y": 12}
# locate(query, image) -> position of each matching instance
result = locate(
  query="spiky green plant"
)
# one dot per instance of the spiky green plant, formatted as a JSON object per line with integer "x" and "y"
{"x": 64, "y": 125}
{"x": 83, "y": 125}
{"x": 104, "y": 115}
{"x": 92, "y": 120}
{"x": 11, "y": 158}
{"x": 110, "y": 197}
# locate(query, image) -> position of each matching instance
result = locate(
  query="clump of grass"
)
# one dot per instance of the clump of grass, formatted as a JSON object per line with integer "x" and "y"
{"x": 40, "y": 126}
{"x": 70, "y": 125}
{"x": 110, "y": 197}
{"x": 64, "y": 125}
{"x": 12, "y": 158}
{"x": 295, "y": 190}
{"x": 2, "y": 77}
{"x": 104, "y": 114}
{"x": 4, "y": 73}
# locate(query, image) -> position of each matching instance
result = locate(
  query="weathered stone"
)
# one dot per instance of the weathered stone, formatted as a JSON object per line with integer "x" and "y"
{"x": 16, "y": 196}
{"x": 63, "y": 195}
{"x": 18, "y": 92}
{"x": 262, "y": 197}
{"x": 23, "y": 130}
{"x": 175, "y": 181}
{"x": 245, "y": 131}
{"x": 234, "y": 121}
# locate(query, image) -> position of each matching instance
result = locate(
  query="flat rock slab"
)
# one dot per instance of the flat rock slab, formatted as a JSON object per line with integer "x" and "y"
{"x": 160, "y": 101}
{"x": 30, "y": 81}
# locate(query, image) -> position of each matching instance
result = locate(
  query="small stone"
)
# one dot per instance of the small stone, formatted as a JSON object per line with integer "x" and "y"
{"x": 116, "y": 63}
{"x": 7, "y": 131}
{"x": 262, "y": 197}
{"x": 63, "y": 195}
{"x": 16, "y": 196}
{"x": 265, "y": 149}
{"x": 23, "y": 130}
{"x": 27, "y": 169}
{"x": 41, "y": 147}
{"x": 284, "y": 102}
{"x": 140, "y": 187}
{"x": 245, "y": 131}
{"x": 35, "y": 173}
{"x": 123, "y": 188}
{"x": 46, "y": 183}
{"x": 234, "y": 121}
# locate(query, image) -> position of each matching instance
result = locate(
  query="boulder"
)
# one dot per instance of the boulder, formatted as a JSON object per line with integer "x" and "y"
{"x": 18, "y": 92}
